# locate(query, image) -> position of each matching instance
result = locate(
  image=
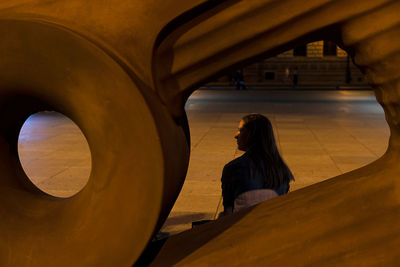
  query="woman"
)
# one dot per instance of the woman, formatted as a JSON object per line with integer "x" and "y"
{"x": 261, "y": 167}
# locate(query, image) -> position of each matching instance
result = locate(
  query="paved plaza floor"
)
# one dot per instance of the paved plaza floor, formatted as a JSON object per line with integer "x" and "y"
{"x": 320, "y": 134}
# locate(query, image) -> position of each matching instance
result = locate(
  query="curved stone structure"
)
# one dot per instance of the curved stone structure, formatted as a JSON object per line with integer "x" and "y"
{"x": 122, "y": 71}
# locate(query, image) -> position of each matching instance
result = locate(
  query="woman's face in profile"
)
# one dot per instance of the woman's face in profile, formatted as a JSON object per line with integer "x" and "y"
{"x": 241, "y": 136}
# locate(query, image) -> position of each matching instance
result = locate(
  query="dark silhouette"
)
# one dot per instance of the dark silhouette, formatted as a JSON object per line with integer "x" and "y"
{"x": 260, "y": 168}
{"x": 239, "y": 81}
{"x": 295, "y": 77}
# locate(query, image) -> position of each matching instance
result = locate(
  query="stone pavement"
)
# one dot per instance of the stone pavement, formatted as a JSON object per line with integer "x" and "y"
{"x": 320, "y": 134}
{"x": 54, "y": 154}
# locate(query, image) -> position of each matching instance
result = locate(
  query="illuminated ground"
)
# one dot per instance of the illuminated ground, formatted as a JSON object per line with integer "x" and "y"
{"x": 320, "y": 134}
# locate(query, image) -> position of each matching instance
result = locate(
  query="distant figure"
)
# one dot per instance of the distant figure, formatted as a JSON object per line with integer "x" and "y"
{"x": 239, "y": 80}
{"x": 260, "y": 173}
{"x": 295, "y": 77}
{"x": 287, "y": 74}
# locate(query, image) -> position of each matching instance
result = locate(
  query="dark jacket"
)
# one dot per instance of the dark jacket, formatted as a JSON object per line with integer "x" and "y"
{"x": 239, "y": 176}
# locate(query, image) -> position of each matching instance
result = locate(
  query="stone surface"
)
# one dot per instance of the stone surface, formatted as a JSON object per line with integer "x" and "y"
{"x": 96, "y": 61}
{"x": 38, "y": 72}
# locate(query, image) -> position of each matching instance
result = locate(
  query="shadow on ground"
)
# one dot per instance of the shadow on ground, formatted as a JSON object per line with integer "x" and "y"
{"x": 187, "y": 218}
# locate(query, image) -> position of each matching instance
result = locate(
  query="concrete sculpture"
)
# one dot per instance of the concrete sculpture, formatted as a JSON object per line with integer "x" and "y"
{"x": 122, "y": 71}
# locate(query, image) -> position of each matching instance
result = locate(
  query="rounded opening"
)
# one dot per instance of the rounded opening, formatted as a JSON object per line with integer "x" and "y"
{"x": 54, "y": 154}
{"x": 328, "y": 125}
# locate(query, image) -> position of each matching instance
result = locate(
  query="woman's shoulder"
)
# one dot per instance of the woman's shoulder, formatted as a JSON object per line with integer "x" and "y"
{"x": 239, "y": 162}
{"x": 282, "y": 189}
{"x": 236, "y": 169}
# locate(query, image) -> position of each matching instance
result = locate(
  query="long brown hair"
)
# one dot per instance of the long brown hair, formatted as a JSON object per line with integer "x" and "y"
{"x": 262, "y": 150}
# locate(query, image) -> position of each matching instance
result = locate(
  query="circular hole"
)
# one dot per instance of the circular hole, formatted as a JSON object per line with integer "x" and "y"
{"x": 54, "y": 154}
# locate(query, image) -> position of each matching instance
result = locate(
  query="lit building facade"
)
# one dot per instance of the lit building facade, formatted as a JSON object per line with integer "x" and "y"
{"x": 320, "y": 63}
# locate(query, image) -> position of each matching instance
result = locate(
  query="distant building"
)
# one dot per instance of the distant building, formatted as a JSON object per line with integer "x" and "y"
{"x": 317, "y": 63}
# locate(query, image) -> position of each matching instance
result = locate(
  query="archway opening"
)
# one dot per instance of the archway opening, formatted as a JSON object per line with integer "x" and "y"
{"x": 326, "y": 124}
